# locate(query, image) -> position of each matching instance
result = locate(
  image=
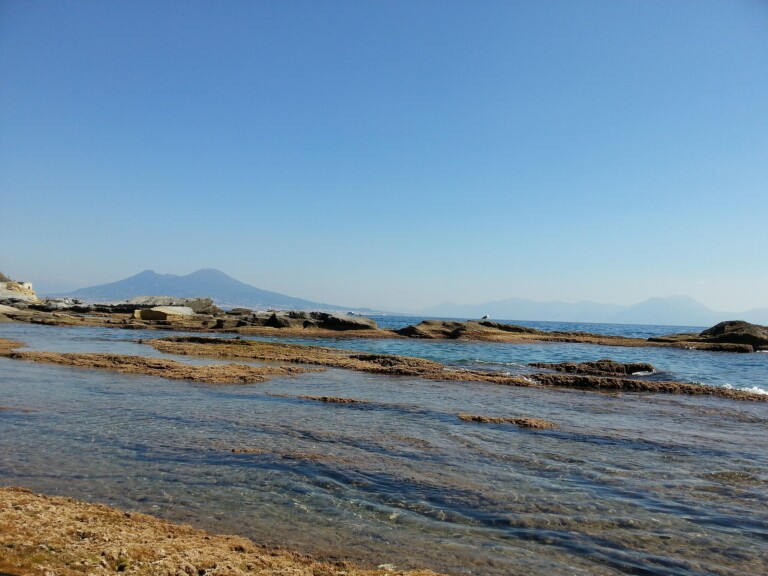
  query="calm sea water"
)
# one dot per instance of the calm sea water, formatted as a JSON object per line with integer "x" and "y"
{"x": 627, "y": 484}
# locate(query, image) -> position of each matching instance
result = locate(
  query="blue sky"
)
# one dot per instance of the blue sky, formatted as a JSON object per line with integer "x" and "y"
{"x": 391, "y": 154}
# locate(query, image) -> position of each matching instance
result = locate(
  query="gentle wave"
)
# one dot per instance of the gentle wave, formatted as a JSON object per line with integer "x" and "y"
{"x": 755, "y": 389}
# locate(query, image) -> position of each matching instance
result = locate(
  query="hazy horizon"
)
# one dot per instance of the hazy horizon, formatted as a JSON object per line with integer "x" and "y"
{"x": 391, "y": 155}
{"x": 45, "y": 291}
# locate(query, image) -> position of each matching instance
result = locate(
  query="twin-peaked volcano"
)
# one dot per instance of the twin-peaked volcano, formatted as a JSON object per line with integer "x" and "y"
{"x": 225, "y": 291}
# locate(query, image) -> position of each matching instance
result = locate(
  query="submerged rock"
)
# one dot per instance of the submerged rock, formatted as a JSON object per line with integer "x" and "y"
{"x": 523, "y": 422}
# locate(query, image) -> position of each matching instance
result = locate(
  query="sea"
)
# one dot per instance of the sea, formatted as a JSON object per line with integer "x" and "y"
{"x": 625, "y": 484}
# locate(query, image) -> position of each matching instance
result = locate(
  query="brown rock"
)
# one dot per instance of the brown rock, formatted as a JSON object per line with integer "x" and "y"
{"x": 604, "y": 367}
{"x": 518, "y": 421}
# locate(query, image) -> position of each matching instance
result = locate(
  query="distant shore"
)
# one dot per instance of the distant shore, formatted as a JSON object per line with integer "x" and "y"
{"x": 200, "y": 315}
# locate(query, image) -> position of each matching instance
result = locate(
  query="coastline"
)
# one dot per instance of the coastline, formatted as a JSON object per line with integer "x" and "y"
{"x": 729, "y": 336}
{"x": 409, "y": 454}
{"x": 42, "y": 534}
{"x": 594, "y": 377}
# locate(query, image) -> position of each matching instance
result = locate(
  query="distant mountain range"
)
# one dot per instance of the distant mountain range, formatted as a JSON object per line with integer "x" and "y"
{"x": 229, "y": 293}
{"x": 206, "y": 283}
{"x": 671, "y": 311}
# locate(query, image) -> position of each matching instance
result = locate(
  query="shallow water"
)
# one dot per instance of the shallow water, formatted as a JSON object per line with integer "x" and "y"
{"x": 638, "y": 484}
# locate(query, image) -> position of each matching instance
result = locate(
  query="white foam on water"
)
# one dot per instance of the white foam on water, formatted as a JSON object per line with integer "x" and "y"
{"x": 755, "y": 389}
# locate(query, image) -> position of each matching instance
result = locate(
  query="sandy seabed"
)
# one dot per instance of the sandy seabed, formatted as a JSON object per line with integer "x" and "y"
{"x": 47, "y": 536}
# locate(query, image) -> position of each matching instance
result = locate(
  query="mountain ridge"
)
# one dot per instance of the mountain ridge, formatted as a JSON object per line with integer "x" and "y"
{"x": 225, "y": 291}
{"x": 670, "y": 311}
{"x": 228, "y": 292}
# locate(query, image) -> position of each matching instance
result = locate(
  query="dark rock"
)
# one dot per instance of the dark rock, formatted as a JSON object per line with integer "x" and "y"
{"x": 617, "y": 384}
{"x": 62, "y": 305}
{"x": 239, "y": 312}
{"x": 737, "y": 332}
{"x": 15, "y": 303}
{"x": 198, "y": 305}
{"x": 335, "y": 322}
{"x": 276, "y": 321}
{"x": 729, "y": 336}
{"x": 226, "y": 323}
{"x": 414, "y": 332}
{"x": 604, "y": 367}
{"x": 436, "y": 329}
{"x": 509, "y": 327}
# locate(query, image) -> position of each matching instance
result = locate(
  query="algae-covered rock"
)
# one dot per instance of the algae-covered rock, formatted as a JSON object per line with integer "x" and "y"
{"x": 604, "y": 367}
{"x": 728, "y": 336}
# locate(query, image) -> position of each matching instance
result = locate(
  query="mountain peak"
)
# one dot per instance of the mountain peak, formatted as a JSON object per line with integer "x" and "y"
{"x": 212, "y": 272}
{"x": 204, "y": 283}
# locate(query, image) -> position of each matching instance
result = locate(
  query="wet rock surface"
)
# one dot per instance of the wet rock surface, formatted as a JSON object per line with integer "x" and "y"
{"x": 390, "y": 365}
{"x": 523, "y": 422}
{"x": 615, "y": 384}
{"x": 384, "y": 364}
{"x": 729, "y": 336}
{"x": 211, "y": 374}
{"x": 499, "y": 332}
{"x": 54, "y": 535}
{"x": 604, "y": 367}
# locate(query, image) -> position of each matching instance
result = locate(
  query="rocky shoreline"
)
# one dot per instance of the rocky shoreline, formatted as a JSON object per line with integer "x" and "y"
{"x": 54, "y": 535}
{"x": 604, "y": 375}
{"x": 48, "y": 535}
{"x": 202, "y": 315}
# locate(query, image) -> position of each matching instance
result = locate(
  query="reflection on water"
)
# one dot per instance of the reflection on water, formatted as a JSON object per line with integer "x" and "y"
{"x": 625, "y": 484}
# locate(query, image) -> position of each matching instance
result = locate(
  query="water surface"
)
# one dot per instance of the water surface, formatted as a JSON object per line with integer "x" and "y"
{"x": 633, "y": 484}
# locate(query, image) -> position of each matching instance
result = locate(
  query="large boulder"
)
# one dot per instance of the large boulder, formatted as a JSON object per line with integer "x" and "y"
{"x": 301, "y": 319}
{"x": 22, "y": 291}
{"x": 279, "y": 321}
{"x": 737, "y": 332}
{"x": 728, "y": 336}
{"x": 165, "y": 313}
{"x": 339, "y": 322}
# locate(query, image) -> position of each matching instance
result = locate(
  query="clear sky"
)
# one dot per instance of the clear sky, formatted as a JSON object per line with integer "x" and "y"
{"x": 392, "y": 154}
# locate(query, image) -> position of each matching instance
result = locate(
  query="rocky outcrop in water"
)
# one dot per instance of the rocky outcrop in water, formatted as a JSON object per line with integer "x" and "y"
{"x": 304, "y": 320}
{"x": 523, "y": 422}
{"x": 498, "y": 332}
{"x": 729, "y": 336}
{"x": 604, "y": 367}
{"x": 55, "y": 535}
